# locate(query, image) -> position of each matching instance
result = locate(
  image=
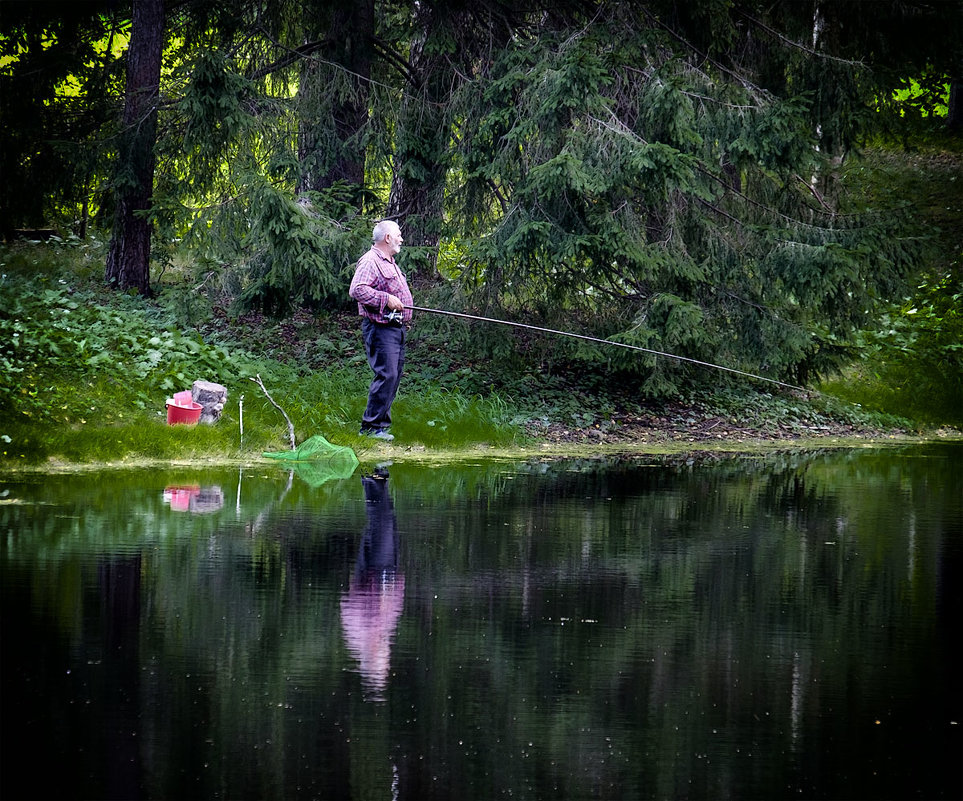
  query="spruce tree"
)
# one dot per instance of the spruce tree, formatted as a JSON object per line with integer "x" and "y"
{"x": 60, "y": 81}
{"x": 659, "y": 175}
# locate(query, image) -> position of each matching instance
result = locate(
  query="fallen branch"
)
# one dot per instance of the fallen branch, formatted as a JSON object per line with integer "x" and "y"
{"x": 257, "y": 380}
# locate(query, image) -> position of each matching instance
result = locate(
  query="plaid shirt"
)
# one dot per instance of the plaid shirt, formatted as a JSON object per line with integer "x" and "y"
{"x": 376, "y": 277}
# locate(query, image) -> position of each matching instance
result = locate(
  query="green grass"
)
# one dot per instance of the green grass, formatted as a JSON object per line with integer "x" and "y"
{"x": 900, "y": 388}
{"x": 86, "y": 373}
{"x": 443, "y": 419}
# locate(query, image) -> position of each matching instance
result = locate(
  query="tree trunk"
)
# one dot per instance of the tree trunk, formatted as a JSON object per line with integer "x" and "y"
{"x": 421, "y": 162}
{"x": 954, "y": 115}
{"x": 335, "y": 106}
{"x": 128, "y": 260}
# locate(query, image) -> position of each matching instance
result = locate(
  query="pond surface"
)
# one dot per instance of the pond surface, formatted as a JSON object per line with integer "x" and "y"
{"x": 784, "y": 626}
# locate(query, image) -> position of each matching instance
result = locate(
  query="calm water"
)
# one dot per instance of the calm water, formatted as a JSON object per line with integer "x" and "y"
{"x": 751, "y": 628}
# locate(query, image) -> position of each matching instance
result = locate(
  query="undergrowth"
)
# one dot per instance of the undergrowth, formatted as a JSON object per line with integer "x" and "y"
{"x": 85, "y": 373}
{"x": 910, "y": 362}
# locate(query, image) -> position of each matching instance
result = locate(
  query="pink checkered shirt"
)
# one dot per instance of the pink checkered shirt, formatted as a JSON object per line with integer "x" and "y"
{"x": 376, "y": 277}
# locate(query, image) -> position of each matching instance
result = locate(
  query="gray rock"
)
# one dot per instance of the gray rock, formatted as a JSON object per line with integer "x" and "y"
{"x": 212, "y": 397}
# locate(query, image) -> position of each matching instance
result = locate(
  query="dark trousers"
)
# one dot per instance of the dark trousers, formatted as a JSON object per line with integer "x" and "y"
{"x": 385, "y": 346}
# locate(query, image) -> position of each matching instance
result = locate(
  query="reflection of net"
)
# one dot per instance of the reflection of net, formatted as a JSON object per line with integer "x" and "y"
{"x": 316, "y": 460}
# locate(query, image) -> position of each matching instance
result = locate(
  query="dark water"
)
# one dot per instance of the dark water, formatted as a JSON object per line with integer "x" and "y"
{"x": 751, "y": 628}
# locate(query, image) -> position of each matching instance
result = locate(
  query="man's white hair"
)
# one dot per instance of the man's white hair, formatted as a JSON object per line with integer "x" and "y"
{"x": 382, "y": 229}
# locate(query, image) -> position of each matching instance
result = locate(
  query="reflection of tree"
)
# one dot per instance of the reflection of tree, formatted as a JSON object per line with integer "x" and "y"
{"x": 120, "y": 593}
{"x": 371, "y": 607}
{"x": 627, "y": 627}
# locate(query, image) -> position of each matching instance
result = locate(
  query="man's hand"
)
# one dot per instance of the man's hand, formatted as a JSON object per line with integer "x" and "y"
{"x": 394, "y": 304}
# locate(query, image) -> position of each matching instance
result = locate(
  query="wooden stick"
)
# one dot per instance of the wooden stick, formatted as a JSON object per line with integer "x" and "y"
{"x": 260, "y": 383}
{"x": 240, "y": 419}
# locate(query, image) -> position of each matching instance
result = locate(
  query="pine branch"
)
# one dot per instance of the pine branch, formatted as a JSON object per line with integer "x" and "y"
{"x": 743, "y": 81}
{"x": 289, "y": 58}
{"x": 799, "y": 46}
{"x": 396, "y": 61}
{"x": 815, "y": 194}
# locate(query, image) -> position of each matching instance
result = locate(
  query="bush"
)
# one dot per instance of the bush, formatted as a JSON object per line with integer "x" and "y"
{"x": 913, "y": 365}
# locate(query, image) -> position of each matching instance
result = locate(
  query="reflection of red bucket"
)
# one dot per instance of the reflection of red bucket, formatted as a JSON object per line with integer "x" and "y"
{"x": 180, "y": 497}
{"x": 188, "y": 415}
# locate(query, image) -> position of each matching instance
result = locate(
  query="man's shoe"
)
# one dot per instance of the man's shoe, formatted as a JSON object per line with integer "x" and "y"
{"x": 378, "y": 433}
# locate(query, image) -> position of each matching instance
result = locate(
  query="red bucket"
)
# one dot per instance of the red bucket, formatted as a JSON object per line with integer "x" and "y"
{"x": 184, "y": 415}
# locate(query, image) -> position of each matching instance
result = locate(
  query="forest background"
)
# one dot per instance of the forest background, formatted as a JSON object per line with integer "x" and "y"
{"x": 186, "y": 186}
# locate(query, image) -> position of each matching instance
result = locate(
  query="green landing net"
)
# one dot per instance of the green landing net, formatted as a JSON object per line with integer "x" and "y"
{"x": 316, "y": 460}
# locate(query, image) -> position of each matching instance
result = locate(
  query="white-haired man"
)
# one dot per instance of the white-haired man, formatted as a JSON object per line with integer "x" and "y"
{"x": 382, "y": 293}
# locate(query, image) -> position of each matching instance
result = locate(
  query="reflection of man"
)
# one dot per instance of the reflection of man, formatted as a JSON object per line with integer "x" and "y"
{"x": 371, "y": 607}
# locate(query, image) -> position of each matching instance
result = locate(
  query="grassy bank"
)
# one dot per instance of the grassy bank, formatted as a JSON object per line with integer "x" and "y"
{"x": 86, "y": 373}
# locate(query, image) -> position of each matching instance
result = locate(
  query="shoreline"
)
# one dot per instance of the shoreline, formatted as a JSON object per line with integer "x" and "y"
{"x": 760, "y": 445}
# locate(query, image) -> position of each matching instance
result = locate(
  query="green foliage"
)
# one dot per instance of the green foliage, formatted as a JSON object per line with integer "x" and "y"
{"x": 913, "y": 364}
{"x": 54, "y": 325}
{"x": 273, "y": 247}
{"x": 906, "y": 358}
{"x": 661, "y": 173}
{"x": 84, "y": 374}
{"x": 215, "y": 107}
{"x": 84, "y": 369}
{"x": 629, "y": 175}
{"x": 60, "y": 78}
{"x": 297, "y": 255}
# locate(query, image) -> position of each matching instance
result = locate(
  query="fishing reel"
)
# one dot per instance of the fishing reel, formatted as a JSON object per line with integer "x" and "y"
{"x": 395, "y": 316}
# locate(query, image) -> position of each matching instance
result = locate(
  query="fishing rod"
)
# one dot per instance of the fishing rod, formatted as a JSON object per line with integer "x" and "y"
{"x": 541, "y": 330}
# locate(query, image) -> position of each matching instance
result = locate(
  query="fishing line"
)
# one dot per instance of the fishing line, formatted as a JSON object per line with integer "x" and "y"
{"x": 608, "y": 342}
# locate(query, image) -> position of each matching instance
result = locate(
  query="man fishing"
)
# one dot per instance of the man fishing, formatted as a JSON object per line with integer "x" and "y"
{"x": 384, "y": 303}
